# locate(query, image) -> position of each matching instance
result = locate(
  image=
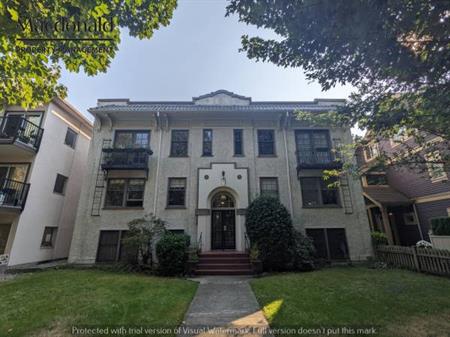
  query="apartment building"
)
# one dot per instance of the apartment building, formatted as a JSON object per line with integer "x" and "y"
{"x": 43, "y": 155}
{"x": 401, "y": 200}
{"x": 198, "y": 164}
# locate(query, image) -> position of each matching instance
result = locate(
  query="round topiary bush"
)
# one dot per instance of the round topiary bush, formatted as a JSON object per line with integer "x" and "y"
{"x": 269, "y": 226}
{"x": 171, "y": 251}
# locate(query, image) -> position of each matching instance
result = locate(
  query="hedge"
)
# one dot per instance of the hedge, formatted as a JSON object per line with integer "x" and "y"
{"x": 171, "y": 251}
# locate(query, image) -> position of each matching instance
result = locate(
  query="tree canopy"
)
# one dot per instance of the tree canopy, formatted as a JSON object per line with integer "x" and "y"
{"x": 30, "y": 77}
{"x": 396, "y": 53}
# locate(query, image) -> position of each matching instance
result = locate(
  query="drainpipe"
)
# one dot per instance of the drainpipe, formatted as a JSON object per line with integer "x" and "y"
{"x": 288, "y": 169}
{"x": 418, "y": 221}
{"x": 157, "y": 163}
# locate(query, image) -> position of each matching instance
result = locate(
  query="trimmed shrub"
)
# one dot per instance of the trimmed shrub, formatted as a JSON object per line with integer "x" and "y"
{"x": 269, "y": 226}
{"x": 303, "y": 252}
{"x": 378, "y": 238}
{"x": 440, "y": 226}
{"x": 171, "y": 251}
{"x": 139, "y": 241}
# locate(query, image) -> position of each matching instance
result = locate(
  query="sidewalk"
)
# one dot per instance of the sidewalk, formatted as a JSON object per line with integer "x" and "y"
{"x": 224, "y": 306}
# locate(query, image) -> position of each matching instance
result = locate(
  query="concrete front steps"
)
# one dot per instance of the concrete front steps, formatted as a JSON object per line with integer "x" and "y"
{"x": 224, "y": 263}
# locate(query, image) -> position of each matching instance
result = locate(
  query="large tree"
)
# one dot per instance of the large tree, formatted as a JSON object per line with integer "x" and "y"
{"x": 30, "y": 77}
{"x": 395, "y": 52}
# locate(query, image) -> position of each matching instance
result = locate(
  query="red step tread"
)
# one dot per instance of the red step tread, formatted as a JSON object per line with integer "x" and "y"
{"x": 224, "y": 272}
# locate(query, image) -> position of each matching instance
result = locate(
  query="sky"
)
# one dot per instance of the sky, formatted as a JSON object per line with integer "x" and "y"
{"x": 196, "y": 54}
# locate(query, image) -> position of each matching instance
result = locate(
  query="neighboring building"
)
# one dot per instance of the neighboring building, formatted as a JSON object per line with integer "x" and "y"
{"x": 43, "y": 154}
{"x": 198, "y": 164}
{"x": 401, "y": 201}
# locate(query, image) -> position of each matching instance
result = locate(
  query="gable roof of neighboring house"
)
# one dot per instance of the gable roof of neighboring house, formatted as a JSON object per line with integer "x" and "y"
{"x": 206, "y": 103}
{"x": 385, "y": 195}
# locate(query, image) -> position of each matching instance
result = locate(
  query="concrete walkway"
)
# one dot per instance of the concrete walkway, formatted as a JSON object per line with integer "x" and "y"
{"x": 224, "y": 306}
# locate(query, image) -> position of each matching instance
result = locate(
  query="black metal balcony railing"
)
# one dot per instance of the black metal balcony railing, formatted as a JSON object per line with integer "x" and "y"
{"x": 317, "y": 160}
{"x": 17, "y": 128}
{"x": 126, "y": 159}
{"x": 13, "y": 193}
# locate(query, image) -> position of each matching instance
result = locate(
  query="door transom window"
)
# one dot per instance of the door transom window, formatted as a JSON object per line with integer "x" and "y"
{"x": 222, "y": 200}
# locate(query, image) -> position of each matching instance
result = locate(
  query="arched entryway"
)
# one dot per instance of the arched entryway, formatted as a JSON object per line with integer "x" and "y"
{"x": 223, "y": 221}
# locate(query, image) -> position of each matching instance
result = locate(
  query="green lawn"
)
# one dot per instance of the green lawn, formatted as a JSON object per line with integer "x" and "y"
{"x": 49, "y": 303}
{"x": 398, "y": 303}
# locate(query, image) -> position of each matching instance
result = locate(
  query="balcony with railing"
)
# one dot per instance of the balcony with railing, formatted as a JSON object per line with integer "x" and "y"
{"x": 322, "y": 160}
{"x": 126, "y": 159}
{"x": 20, "y": 131}
{"x": 13, "y": 194}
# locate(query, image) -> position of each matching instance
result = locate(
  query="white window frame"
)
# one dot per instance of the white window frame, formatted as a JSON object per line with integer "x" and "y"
{"x": 433, "y": 167}
{"x": 374, "y": 150}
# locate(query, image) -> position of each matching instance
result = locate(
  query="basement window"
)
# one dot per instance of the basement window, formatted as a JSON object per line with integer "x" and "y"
{"x": 49, "y": 236}
{"x": 330, "y": 243}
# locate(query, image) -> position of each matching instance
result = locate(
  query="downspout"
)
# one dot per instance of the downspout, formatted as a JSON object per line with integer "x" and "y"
{"x": 288, "y": 169}
{"x": 418, "y": 221}
{"x": 159, "y": 127}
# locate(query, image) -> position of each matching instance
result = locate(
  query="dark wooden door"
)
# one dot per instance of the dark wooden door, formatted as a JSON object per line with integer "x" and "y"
{"x": 223, "y": 229}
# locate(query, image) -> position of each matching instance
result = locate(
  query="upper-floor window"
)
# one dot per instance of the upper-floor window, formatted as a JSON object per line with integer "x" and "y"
{"x": 313, "y": 146}
{"x": 33, "y": 117}
{"x": 266, "y": 142}
{"x": 269, "y": 186}
{"x": 436, "y": 168}
{"x": 71, "y": 138}
{"x": 132, "y": 139}
{"x": 317, "y": 193}
{"x": 179, "y": 143}
{"x": 238, "y": 142}
{"x": 16, "y": 172}
{"x": 21, "y": 126}
{"x": 207, "y": 142}
{"x": 402, "y": 135}
{"x": 376, "y": 179}
{"x": 60, "y": 184}
{"x": 125, "y": 193}
{"x": 176, "y": 196}
{"x": 371, "y": 151}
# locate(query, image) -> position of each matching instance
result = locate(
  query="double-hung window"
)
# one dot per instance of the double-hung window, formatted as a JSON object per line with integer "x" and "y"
{"x": 176, "y": 193}
{"x": 238, "y": 142}
{"x": 132, "y": 139}
{"x": 179, "y": 143}
{"x": 60, "y": 184}
{"x": 371, "y": 151}
{"x": 436, "y": 167}
{"x": 266, "y": 142}
{"x": 313, "y": 146}
{"x": 317, "y": 193}
{"x": 71, "y": 138}
{"x": 125, "y": 193}
{"x": 207, "y": 142}
{"x": 269, "y": 187}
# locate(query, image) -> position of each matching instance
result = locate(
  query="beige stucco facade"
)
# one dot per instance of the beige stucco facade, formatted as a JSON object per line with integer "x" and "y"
{"x": 43, "y": 208}
{"x": 223, "y": 171}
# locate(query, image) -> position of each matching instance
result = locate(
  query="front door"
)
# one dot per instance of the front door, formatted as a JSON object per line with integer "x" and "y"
{"x": 223, "y": 229}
